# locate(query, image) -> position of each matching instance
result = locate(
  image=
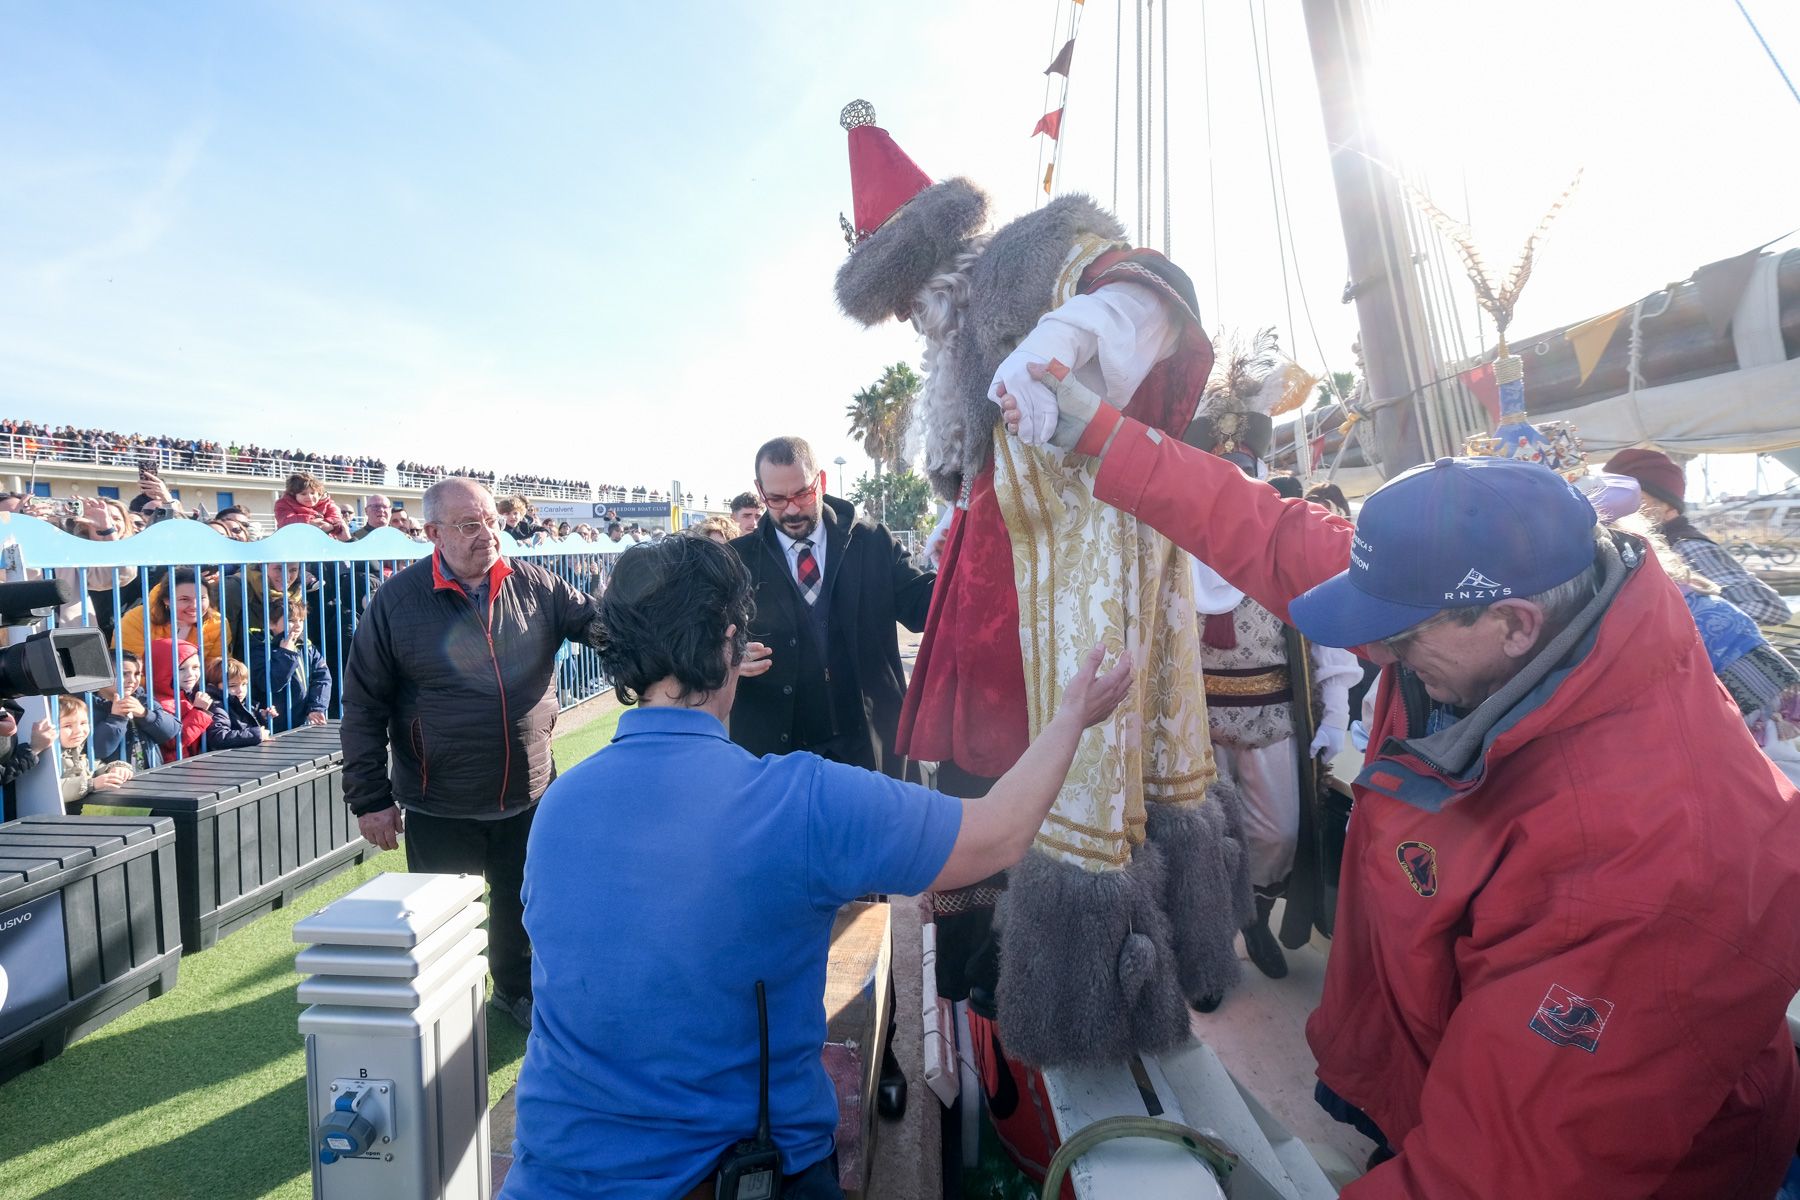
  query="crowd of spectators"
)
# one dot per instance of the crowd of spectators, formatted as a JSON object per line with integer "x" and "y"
{"x": 217, "y": 657}
{"x": 32, "y": 441}
{"x": 415, "y": 474}
{"x": 66, "y": 443}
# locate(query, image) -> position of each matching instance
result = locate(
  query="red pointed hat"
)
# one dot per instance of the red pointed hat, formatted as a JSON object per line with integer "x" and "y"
{"x": 882, "y": 177}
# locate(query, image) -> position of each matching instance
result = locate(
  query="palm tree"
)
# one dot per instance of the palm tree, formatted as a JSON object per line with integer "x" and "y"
{"x": 878, "y": 416}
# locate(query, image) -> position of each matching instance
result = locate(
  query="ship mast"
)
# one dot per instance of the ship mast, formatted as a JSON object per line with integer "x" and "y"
{"x": 1398, "y": 363}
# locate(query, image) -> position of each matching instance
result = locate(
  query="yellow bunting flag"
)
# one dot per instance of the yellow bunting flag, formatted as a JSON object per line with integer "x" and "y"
{"x": 1047, "y": 172}
{"x": 1590, "y": 339}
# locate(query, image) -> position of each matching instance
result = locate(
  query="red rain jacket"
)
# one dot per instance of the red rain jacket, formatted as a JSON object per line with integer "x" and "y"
{"x": 166, "y": 656}
{"x": 1562, "y": 966}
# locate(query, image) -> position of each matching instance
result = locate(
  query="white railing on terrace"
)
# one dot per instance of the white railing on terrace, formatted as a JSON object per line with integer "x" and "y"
{"x": 538, "y": 490}
{"x": 246, "y": 583}
{"x": 412, "y": 477}
{"x": 25, "y": 447}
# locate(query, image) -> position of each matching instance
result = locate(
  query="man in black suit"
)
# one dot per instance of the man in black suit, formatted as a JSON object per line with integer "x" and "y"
{"x": 829, "y": 592}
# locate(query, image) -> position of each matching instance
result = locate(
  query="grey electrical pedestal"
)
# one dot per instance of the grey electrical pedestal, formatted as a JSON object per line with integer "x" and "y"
{"x": 396, "y": 1040}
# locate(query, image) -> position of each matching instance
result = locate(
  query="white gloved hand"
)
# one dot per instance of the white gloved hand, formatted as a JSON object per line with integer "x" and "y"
{"x": 1036, "y": 402}
{"x": 1329, "y": 742}
{"x": 1074, "y": 407}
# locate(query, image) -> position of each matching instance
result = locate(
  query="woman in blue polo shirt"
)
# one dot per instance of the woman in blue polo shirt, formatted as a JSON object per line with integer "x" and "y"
{"x": 672, "y": 870}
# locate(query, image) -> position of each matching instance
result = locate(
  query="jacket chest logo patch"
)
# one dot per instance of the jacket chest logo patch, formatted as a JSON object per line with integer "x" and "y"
{"x": 1565, "y": 1019}
{"x": 1419, "y": 861}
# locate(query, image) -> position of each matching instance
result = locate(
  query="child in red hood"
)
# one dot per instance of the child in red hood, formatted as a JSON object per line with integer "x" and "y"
{"x": 306, "y": 503}
{"x": 177, "y": 665}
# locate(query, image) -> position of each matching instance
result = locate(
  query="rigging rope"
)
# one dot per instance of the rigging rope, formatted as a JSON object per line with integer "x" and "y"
{"x": 1138, "y": 218}
{"x": 1212, "y": 198}
{"x": 1044, "y": 107}
{"x": 1149, "y": 120}
{"x": 1281, "y": 176}
{"x": 1062, "y": 102}
{"x": 1269, "y": 158}
{"x": 1767, "y": 49}
{"x": 1165, "y": 125}
{"x": 1118, "y": 92}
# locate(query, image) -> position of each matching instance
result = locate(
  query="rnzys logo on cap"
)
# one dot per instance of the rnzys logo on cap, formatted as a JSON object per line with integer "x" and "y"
{"x": 1476, "y": 586}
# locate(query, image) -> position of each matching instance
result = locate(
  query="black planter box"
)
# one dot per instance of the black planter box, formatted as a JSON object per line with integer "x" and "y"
{"x": 253, "y": 827}
{"x": 87, "y": 928}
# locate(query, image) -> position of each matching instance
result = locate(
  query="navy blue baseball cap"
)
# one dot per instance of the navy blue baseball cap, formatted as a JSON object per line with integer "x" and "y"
{"x": 1457, "y": 533}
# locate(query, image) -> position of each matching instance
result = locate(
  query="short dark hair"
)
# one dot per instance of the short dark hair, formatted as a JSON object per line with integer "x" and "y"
{"x": 300, "y": 481}
{"x": 746, "y": 500}
{"x": 1329, "y": 494}
{"x": 233, "y": 510}
{"x": 665, "y": 614}
{"x": 1286, "y": 486}
{"x": 785, "y": 452}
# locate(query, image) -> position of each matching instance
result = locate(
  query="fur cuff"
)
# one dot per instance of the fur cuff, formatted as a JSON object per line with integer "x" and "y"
{"x": 1087, "y": 966}
{"x": 1206, "y": 892}
{"x": 885, "y": 272}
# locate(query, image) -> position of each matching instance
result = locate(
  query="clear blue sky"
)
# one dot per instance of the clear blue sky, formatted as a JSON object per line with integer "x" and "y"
{"x": 598, "y": 240}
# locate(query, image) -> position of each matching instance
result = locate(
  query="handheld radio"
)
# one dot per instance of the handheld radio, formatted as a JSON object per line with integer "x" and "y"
{"x": 751, "y": 1169}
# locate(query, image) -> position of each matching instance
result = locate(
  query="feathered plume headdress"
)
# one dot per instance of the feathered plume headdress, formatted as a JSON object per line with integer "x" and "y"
{"x": 1252, "y": 384}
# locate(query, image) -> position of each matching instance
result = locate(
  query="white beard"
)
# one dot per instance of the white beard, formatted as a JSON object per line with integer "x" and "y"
{"x": 940, "y": 429}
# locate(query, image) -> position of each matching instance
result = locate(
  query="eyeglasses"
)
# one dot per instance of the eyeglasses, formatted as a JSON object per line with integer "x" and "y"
{"x": 805, "y": 495}
{"x": 471, "y": 529}
{"x": 1398, "y": 644}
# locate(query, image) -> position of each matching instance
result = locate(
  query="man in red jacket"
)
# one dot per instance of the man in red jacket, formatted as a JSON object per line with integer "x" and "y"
{"x": 1569, "y": 921}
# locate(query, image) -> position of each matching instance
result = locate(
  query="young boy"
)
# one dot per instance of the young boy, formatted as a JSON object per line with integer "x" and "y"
{"x": 128, "y": 728}
{"x": 235, "y": 722}
{"x": 287, "y": 671}
{"x": 17, "y": 757}
{"x": 176, "y": 665}
{"x": 79, "y": 779}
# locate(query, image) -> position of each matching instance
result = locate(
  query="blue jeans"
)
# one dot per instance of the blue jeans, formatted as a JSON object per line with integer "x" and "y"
{"x": 817, "y": 1182}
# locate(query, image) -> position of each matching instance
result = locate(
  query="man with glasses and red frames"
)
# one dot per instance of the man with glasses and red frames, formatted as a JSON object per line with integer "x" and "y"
{"x": 1569, "y": 921}
{"x": 830, "y": 591}
{"x": 449, "y": 704}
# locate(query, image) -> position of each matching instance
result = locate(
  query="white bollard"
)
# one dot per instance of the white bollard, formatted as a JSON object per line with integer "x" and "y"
{"x": 396, "y": 1040}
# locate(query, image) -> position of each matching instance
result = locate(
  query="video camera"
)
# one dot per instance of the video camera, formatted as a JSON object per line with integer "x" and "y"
{"x": 51, "y": 661}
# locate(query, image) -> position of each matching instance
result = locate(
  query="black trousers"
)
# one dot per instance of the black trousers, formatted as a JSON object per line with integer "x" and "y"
{"x": 495, "y": 850}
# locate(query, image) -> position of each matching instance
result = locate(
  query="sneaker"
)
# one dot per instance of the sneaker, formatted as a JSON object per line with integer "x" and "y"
{"x": 516, "y": 1007}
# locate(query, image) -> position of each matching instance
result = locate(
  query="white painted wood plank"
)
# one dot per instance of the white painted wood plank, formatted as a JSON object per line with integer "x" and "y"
{"x": 1135, "y": 1167}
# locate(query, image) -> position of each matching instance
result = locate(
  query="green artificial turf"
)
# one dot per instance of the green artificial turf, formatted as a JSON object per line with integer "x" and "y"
{"x": 201, "y": 1092}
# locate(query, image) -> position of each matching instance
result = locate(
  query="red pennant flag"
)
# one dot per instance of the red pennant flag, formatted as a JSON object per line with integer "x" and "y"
{"x": 1061, "y": 65}
{"x": 1050, "y": 123}
{"x": 1480, "y": 382}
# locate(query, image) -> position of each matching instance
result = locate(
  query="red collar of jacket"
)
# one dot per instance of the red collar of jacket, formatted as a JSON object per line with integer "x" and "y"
{"x": 440, "y": 581}
{"x": 1640, "y": 636}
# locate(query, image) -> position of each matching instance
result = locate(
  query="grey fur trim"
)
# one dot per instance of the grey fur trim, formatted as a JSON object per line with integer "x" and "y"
{"x": 1011, "y": 286}
{"x": 1087, "y": 970}
{"x": 1206, "y": 892}
{"x": 883, "y": 274}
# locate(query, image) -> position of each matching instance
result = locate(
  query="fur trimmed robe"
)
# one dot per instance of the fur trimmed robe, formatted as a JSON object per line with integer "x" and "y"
{"x": 1126, "y": 907}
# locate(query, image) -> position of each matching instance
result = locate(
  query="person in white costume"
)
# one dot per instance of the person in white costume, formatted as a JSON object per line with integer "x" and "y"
{"x": 1260, "y": 708}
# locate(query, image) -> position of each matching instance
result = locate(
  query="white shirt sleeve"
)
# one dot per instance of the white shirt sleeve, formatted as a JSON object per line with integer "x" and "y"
{"x": 1338, "y": 672}
{"x": 1109, "y": 338}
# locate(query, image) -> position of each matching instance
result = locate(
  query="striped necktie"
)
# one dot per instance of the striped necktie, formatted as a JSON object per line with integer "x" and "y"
{"x": 806, "y": 570}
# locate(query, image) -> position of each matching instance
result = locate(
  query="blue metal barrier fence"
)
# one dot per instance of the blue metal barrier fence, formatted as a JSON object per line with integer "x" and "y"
{"x": 234, "y": 600}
